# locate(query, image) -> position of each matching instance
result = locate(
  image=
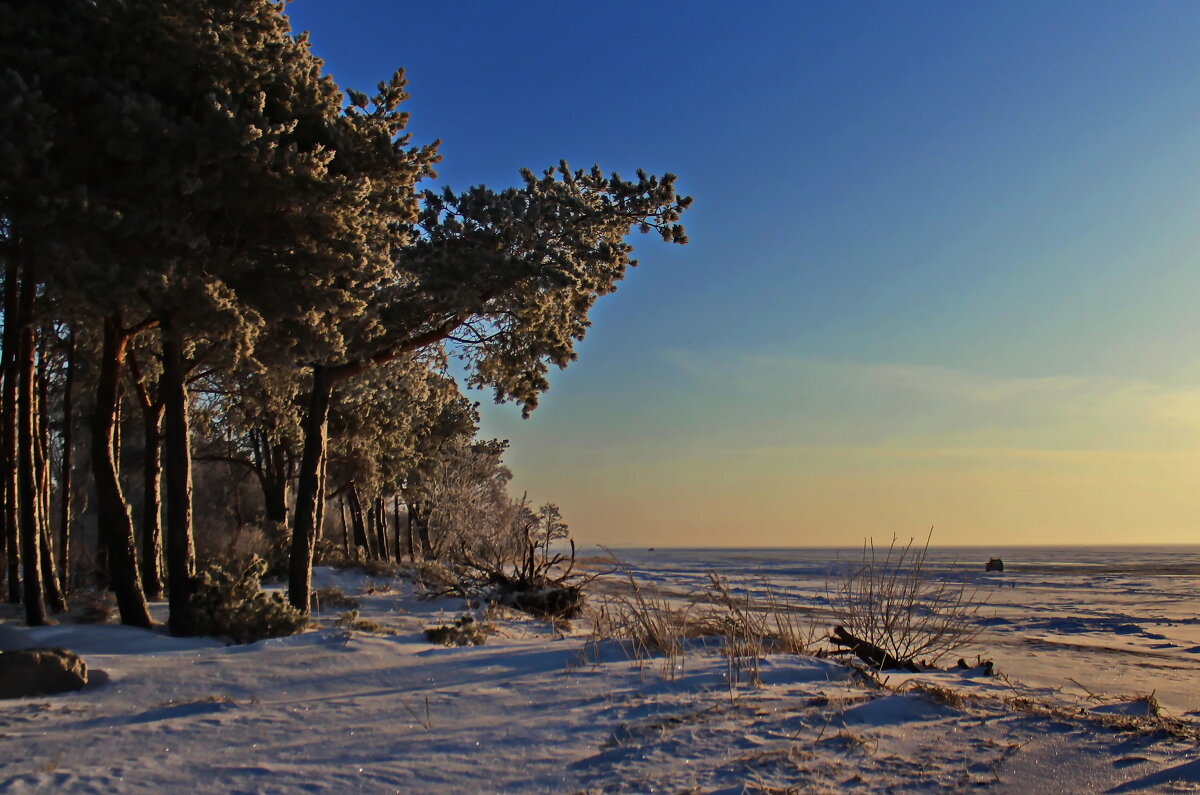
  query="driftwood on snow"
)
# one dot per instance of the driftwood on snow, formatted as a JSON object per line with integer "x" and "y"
{"x": 869, "y": 653}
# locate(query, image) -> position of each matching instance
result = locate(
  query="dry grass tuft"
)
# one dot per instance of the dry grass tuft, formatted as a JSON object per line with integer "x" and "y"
{"x": 332, "y": 597}
{"x": 648, "y": 621}
{"x": 350, "y": 620}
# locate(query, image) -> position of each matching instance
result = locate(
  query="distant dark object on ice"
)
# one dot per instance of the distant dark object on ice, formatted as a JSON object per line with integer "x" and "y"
{"x": 995, "y": 564}
{"x": 40, "y": 672}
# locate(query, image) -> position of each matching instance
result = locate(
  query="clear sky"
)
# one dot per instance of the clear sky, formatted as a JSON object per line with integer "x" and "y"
{"x": 943, "y": 267}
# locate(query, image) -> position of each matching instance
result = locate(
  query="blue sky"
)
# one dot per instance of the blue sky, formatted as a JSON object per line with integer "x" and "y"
{"x": 942, "y": 270}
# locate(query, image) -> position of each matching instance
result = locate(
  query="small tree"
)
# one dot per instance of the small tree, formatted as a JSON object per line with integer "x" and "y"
{"x": 550, "y": 527}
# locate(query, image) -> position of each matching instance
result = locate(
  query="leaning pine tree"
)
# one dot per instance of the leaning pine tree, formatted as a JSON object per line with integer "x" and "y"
{"x": 509, "y": 276}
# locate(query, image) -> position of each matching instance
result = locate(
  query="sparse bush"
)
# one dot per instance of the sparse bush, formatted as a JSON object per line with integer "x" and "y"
{"x": 890, "y": 613}
{"x": 332, "y": 597}
{"x": 232, "y": 604}
{"x": 98, "y": 610}
{"x": 464, "y": 631}
{"x": 351, "y": 620}
{"x": 434, "y": 578}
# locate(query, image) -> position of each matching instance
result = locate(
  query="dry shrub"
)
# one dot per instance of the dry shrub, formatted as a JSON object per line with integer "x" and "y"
{"x": 434, "y": 579}
{"x": 332, "y": 597}
{"x": 890, "y": 602}
{"x": 98, "y": 610}
{"x": 523, "y": 573}
{"x": 351, "y": 620}
{"x": 938, "y": 694}
{"x": 465, "y": 631}
{"x": 1152, "y": 706}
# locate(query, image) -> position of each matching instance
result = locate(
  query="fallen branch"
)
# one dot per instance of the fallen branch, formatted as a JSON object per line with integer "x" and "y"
{"x": 869, "y": 653}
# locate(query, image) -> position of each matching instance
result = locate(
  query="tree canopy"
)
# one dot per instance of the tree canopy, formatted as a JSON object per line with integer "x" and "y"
{"x": 249, "y": 259}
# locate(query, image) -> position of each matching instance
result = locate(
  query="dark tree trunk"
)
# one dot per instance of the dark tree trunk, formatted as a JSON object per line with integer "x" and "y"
{"x": 52, "y": 587}
{"x": 181, "y": 550}
{"x": 381, "y": 528}
{"x": 152, "y": 581}
{"x": 396, "y": 525}
{"x": 272, "y": 465}
{"x": 115, "y": 523}
{"x": 361, "y": 537}
{"x": 64, "y": 478}
{"x": 275, "y": 498}
{"x": 412, "y": 511}
{"x": 422, "y": 517}
{"x": 308, "y": 489}
{"x": 319, "y": 527}
{"x": 50, "y": 582}
{"x": 8, "y": 433}
{"x": 27, "y": 491}
{"x": 345, "y": 529}
{"x": 372, "y": 544}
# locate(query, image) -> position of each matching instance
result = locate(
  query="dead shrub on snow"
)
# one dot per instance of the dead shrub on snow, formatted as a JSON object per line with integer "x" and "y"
{"x": 890, "y": 603}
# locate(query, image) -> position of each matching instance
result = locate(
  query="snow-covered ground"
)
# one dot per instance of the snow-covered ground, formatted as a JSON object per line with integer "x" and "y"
{"x": 538, "y": 710}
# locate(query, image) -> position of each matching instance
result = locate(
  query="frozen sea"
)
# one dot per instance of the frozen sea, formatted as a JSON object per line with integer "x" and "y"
{"x": 1121, "y": 620}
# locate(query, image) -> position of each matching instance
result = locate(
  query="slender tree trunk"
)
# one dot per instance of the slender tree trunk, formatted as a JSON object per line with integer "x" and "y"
{"x": 152, "y": 581}
{"x": 53, "y": 588}
{"x": 381, "y": 528}
{"x": 372, "y": 541}
{"x": 271, "y": 466}
{"x": 320, "y": 522}
{"x": 411, "y": 511}
{"x": 116, "y": 525}
{"x": 181, "y": 550}
{"x": 396, "y": 525}
{"x": 27, "y": 492}
{"x": 64, "y": 478}
{"x": 345, "y": 530}
{"x": 362, "y": 538}
{"x": 308, "y": 489}
{"x": 50, "y": 582}
{"x": 8, "y": 432}
{"x": 423, "y": 512}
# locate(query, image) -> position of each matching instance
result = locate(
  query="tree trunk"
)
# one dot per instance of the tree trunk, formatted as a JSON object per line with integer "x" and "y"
{"x": 319, "y": 527}
{"x": 361, "y": 537}
{"x": 275, "y": 498}
{"x": 64, "y": 478}
{"x": 53, "y": 588}
{"x": 8, "y": 433}
{"x": 345, "y": 530}
{"x": 396, "y": 525}
{"x": 423, "y": 514}
{"x": 269, "y": 462}
{"x": 115, "y": 523}
{"x": 308, "y": 489}
{"x": 381, "y": 528}
{"x": 411, "y": 510}
{"x": 181, "y": 550}
{"x": 27, "y": 492}
{"x": 50, "y": 582}
{"x": 152, "y": 581}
